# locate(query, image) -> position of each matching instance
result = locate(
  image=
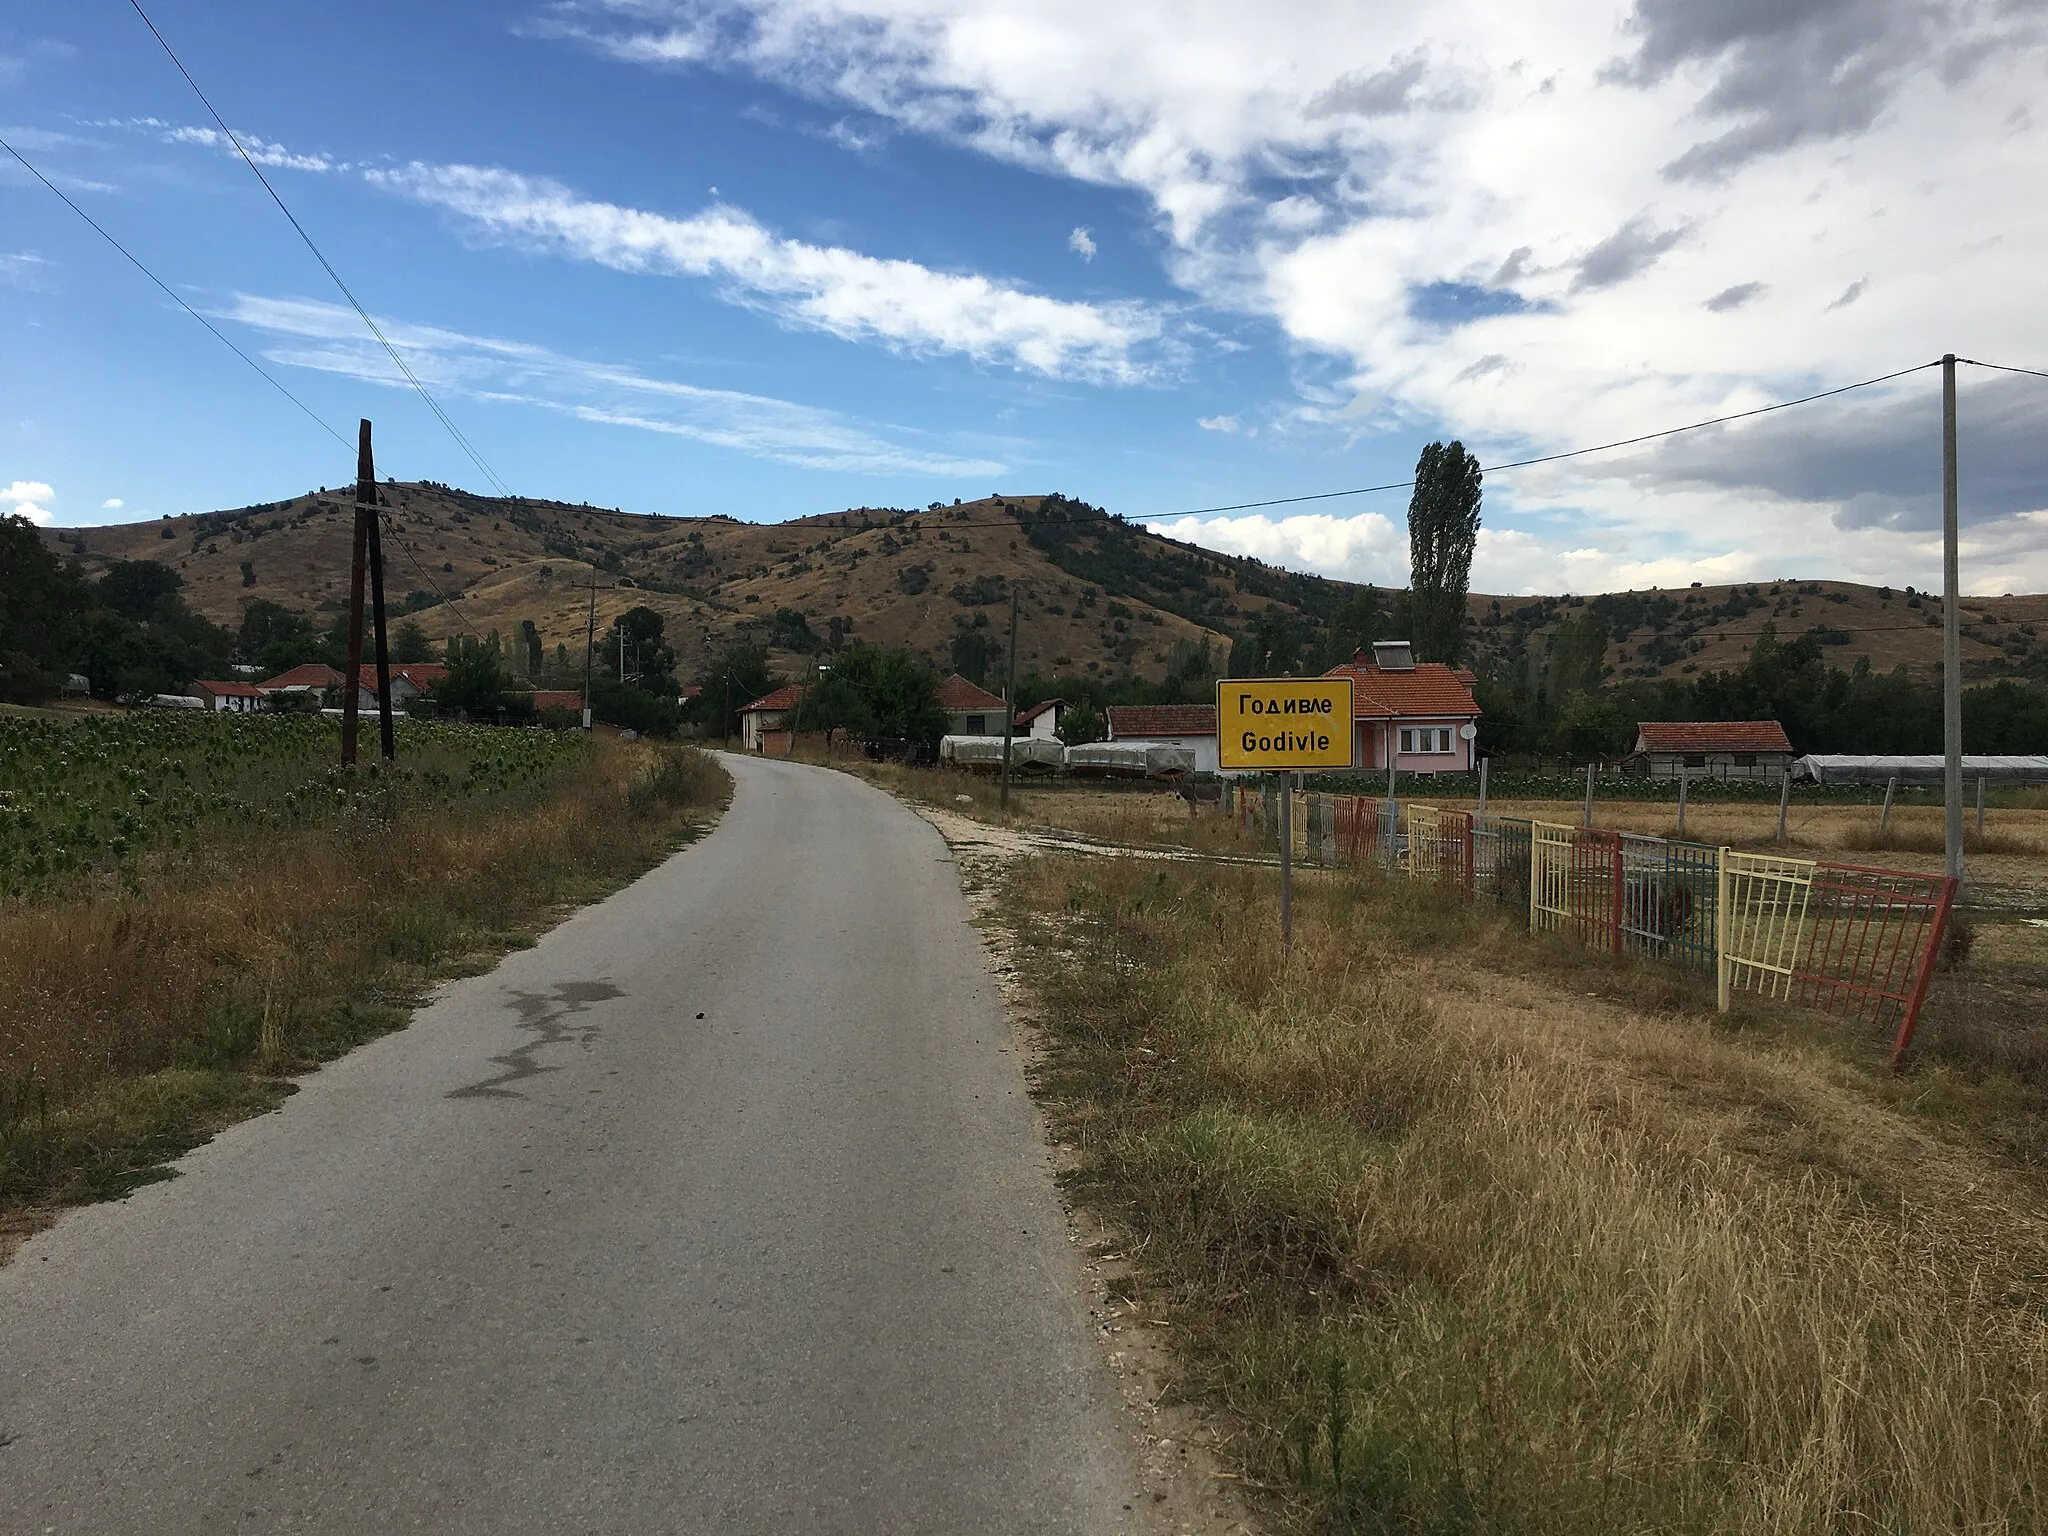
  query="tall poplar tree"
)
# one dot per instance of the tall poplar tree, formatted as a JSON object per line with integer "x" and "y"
{"x": 1443, "y": 529}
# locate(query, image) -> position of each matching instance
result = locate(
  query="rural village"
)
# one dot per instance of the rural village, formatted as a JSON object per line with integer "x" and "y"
{"x": 1250, "y": 1007}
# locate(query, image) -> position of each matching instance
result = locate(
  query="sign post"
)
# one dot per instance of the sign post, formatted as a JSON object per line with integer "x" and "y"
{"x": 1284, "y": 724}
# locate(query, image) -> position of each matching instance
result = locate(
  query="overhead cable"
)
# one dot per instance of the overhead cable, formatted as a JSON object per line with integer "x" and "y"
{"x": 136, "y": 262}
{"x": 318, "y": 255}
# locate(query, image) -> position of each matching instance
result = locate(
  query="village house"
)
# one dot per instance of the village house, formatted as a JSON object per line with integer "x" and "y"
{"x": 1041, "y": 722}
{"x": 312, "y": 677}
{"x": 1720, "y": 749}
{"x": 768, "y": 713}
{"x": 970, "y": 710}
{"x": 408, "y": 681}
{"x": 1418, "y": 715}
{"x": 1176, "y": 725}
{"x": 229, "y": 698}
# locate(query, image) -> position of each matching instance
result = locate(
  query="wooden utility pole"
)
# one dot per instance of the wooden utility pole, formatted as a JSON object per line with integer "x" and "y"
{"x": 1951, "y": 634}
{"x": 367, "y": 518}
{"x": 589, "y": 644}
{"x": 358, "y": 560}
{"x": 1010, "y": 701}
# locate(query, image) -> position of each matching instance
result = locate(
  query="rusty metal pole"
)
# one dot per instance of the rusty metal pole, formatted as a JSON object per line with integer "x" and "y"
{"x": 366, "y": 509}
{"x": 353, "y": 681}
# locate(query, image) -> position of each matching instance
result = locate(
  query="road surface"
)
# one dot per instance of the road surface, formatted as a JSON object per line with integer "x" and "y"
{"x": 721, "y": 1210}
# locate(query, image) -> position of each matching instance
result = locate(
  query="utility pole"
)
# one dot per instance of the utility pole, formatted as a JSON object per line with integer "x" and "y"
{"x": 366, "y": 510}
{"x": 358, "y": 559}
{"x": 589, "y": 644}
{"x": 1010, "y": 701}
{"x": 1951, "y": 633}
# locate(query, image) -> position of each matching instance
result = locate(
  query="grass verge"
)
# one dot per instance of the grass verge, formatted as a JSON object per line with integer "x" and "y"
{"x": 139, "y": 1016}
{"x": 1463, "y": 1232}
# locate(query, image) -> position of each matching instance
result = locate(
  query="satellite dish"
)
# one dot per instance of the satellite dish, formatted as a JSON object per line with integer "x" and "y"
{"x": 1468, "y": 730}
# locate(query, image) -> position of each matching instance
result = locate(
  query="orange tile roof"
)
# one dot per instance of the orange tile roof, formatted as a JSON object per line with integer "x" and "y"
{"x": 1430, "y": 690}
{"x": 421, "y": 674}
{"x": 312, "y": 674}
{"x": 956, "y": 693}
{"x": 1128, "y": 721}
{"x": 1711, "y": 736}
{"x": 230, "y": 690}
{"x": 784, "y": 697}
{"x": 557, "y": 698}
{"x": 1026, "y": 716}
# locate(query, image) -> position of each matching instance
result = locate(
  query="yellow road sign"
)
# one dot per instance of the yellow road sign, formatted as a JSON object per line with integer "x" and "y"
{"x": 1284, "y": 722}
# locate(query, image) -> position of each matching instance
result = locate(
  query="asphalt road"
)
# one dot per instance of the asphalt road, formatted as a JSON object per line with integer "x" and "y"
{"x": 721, "y": 1210}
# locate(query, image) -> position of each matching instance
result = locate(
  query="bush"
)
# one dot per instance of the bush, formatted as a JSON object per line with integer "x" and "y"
{"x": 680, "y": 777}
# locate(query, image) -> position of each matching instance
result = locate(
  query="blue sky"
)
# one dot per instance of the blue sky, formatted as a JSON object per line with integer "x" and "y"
{"x": 777, "y": 257}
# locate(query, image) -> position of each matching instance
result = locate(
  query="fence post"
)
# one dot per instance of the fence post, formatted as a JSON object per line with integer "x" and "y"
{"x": 1936, "y": 932}
{"x": 1589, "y": 795}
{"x": 1482, "y": 789}
{"x": 1468, "y": 859}
{"x": 1980, "y": 804}
{"x": 1784, "y": 799}
{"x": 1884, "y": 816}
{"x": 1532, "y": 876}
{"x": 1614, "y": 902}
{"x": 1721, "y": 929}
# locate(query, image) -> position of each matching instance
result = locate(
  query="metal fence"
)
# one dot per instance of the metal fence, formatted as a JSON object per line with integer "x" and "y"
{"x": 1854, "y": 942}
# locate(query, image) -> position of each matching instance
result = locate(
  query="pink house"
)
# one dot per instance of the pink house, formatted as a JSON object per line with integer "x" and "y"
{"x": 1416, "y": 710}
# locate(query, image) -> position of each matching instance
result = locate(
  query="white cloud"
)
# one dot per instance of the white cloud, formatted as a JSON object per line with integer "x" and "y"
{"x": 1365, "y": 547}
{"x": 1217, "y": 423}
{"x": 261, "y": 150}
{"x": 897, "y": 303}
{"x": 23, "y": 498}
{"x": 1082, "y": 244}
{"x": 1647, "y": 213}
{"x": 112, "y": 504}
{"x": 329, "y": 337}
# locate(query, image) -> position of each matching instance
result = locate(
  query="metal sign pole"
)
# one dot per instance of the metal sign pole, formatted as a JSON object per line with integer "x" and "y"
{"x": 1287, "y": 859}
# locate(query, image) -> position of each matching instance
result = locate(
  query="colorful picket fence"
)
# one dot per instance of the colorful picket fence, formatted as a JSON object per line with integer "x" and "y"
{"x": 1854, "y": 942}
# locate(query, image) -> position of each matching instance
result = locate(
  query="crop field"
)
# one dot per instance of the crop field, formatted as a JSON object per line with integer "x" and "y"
{"x": 194, "y": 908}
{"x": 100, "y": 795}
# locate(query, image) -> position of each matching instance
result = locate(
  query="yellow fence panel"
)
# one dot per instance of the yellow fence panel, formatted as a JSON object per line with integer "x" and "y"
{"x": 1425, "y": 841}
{"x": 1550, "y": 878}
{"x": 1763, "y": 926}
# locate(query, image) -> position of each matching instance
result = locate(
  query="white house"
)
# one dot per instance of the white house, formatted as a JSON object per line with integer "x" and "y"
{"x": 1181, "y": 725}
{"x": 768, "y": 713}
{"x": 1041, "y": 722}
{"x": 230, "y": 698}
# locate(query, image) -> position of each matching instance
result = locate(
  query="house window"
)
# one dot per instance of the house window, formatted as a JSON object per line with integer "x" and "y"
{"x": 977, "y": 725}
{"x": 1745, "y": 759}
{"x": 1695, "y": 759}
{"x": 1426, "y": 739}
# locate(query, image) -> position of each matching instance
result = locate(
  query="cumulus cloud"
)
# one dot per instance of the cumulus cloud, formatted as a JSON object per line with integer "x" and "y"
{"x": 846, "y": 293}
{"x": 112, "y": 504}
{"x": 329, "y": 338}
{"x": 1082, "y": 244}
{"x": 24, "y": 498}
{"x": 1366, "y": 547}
{"x": 1317, "y": 167}
{"x": 1217, "y": 423}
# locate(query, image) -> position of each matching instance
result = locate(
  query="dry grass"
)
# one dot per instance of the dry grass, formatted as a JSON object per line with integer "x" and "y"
{"x": 136, "y": 1019}
{"x": 1458, "y": 1247}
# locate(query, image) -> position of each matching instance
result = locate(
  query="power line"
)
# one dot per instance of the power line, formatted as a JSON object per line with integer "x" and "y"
{"x": 1572, "y": 453}
{"x": 2002, "y": 367}
{"x": 411, "y": 378}
{"x": 135, "y": 261}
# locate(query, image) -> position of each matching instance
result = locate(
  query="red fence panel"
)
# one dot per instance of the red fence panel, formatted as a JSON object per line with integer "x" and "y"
{"x": 1875, "y": 936}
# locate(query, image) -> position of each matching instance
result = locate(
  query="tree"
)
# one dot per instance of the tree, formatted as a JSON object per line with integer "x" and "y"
{"x": 410, "y": 643}
{"x": 529, "y": 639}
{"x": 650, "y": 665}
{"x": 974, "y": 654}
{"x": 273, "y": 637}
{"x": 135, "y": 588}
{"x": 1443, "y": 530}
{"x": 476, "y": 683}
{"x": 738, "y": 676}
{"x": 881, "y": 693}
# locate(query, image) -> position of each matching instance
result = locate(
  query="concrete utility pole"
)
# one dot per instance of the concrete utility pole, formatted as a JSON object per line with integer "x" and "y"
{"x": 1951, "y": 633}
{"x": 358, "y": 560}
{"x": 1010, "y": 700}
{"x": 366, "y": 510}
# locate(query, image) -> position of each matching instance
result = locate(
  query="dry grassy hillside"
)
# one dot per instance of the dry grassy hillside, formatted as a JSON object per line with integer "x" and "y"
{"x": 1097, "y": 596}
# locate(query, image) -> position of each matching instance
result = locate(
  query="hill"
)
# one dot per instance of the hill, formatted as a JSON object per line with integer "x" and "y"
{"x": 1097, "y": 597}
